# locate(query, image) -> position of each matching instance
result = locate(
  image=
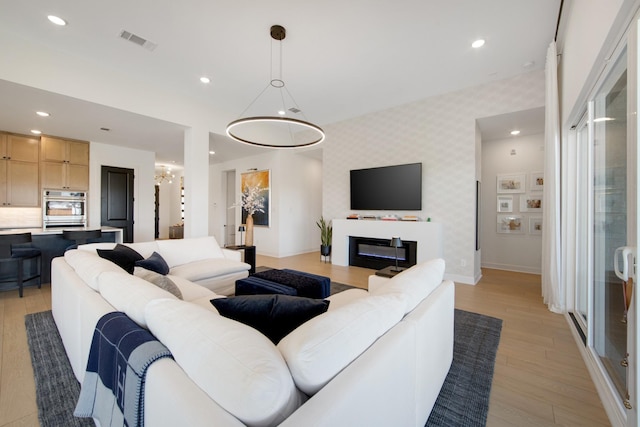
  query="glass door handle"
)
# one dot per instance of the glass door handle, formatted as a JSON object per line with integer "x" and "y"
{"x": 624, "y": 252}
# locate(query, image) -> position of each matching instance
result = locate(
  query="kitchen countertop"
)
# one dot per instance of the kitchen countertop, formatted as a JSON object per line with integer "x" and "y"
{"x": 58, "y": 230}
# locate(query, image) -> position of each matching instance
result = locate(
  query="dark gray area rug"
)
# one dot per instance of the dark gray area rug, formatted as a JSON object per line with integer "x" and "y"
{"x": 57, "y": 389}
{"x": 463, "y": 400}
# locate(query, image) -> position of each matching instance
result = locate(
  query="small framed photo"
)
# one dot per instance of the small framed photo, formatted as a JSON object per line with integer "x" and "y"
{"x": 535, "y": 225}
{"x": 505, "y": 204}
{"x": 536, "y": 181}
{"x": 510, "y": 224}
{"x": 531, "y": 203}
{"x": 511, "y": 183}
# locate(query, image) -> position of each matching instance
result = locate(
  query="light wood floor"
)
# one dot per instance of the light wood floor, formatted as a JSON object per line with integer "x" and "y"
{"x": 540, "y": 378}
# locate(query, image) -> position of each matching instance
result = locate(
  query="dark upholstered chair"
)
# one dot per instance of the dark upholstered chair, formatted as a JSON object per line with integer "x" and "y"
{"x": 80, "y": 237}
{"x": 15, "y": 249}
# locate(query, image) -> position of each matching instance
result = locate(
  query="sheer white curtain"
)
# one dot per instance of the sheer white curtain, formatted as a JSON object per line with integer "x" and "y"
{"x": 552, "y": 286}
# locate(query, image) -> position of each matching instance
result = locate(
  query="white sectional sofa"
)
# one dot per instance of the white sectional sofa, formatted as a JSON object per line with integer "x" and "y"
{"x": 375, "y": 359}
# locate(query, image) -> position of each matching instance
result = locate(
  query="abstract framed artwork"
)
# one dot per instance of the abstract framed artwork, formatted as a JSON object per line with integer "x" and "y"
{"x": 510, "y": 224}
{"x": 515, "y": 183}
{"x": 260, "y": 180}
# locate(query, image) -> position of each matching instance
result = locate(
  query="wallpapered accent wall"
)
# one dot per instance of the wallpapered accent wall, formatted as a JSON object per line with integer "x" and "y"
{"x": 440, "y": 132}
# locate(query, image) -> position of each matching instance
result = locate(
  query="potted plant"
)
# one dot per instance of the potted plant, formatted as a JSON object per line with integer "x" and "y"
{"x": 326, "y": 232}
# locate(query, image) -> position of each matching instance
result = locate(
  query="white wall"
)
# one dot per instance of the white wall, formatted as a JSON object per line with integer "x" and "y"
{"x": 169, "y": 210}
{"x": 142, "y": 163}
{"x": 516, "y": 252}
{"x": 584, "y": 28}
{"x": 296, "y": 200}
{"x": 440, "y": 132}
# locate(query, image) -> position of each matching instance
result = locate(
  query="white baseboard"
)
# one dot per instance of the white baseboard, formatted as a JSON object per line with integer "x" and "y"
{"x": 509, "y": 267}
{"x": 467, "y": 280}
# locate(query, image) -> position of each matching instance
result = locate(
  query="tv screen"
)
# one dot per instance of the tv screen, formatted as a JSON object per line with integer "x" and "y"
{"x": 396, "y": 188}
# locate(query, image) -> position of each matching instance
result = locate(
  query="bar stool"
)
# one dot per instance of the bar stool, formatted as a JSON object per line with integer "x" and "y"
{"x": 80, "y": 237}
{"x": 15, "y": 249}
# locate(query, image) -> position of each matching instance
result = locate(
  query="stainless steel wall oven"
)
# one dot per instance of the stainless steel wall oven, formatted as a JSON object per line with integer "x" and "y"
{"x": 62, "y": 208}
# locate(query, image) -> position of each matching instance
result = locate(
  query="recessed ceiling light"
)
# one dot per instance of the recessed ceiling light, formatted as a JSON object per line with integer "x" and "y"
{"x": 36, "y": 132}
{"x": 212, "y": 152}
{"x": 43, "y": 113}
{"x": 205, "y": 79}
{"x": 515, "y": 132}
{"x": 603, "y": 119}
{"x": 57, "y": 20}
{"x": 478, "y": 43}
{"x": 281, "y": 112}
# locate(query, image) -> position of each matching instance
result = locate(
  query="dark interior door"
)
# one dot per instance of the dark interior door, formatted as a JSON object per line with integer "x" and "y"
{"x": 117, "y": 200}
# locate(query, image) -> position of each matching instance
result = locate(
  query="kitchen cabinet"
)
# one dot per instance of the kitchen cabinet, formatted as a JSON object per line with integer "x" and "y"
{"x": 19, "y": 177}
{"x": 64, "y": 164}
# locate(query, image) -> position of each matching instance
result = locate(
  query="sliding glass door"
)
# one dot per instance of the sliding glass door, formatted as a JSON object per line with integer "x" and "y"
{"x": 610, "y": 215}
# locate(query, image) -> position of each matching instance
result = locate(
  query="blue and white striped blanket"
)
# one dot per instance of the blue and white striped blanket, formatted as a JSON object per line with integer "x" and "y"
{"x": 113, "y": 386}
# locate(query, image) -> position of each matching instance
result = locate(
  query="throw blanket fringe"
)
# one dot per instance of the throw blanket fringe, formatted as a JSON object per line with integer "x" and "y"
{"x": 113, "y": 387}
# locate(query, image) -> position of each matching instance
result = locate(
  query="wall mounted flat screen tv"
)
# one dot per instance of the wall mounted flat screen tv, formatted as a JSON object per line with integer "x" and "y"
{"x": 397, "y": 188}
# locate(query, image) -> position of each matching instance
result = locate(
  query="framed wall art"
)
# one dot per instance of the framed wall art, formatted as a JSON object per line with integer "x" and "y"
{"x": 510, "y": 224}
{"x": 514, "y": 183}
{"x": 258, "y": 184}
{"x": 536, "y": 181}
{"x": 531, "y": 203}
{"x": 535, "y": 225}
{"x": 505, "y": 204}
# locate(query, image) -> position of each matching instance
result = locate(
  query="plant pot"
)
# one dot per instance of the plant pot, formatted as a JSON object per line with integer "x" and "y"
{"x": 325, "y": 250}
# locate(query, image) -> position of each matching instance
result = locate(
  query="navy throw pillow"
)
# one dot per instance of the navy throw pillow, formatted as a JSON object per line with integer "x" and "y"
{"x": 154, "y": 263}
{"x": 122, "y": 255}
{"x": 273, "y": 315}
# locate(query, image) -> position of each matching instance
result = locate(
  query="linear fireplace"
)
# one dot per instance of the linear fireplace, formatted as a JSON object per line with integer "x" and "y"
{"x": 377, "y": 254}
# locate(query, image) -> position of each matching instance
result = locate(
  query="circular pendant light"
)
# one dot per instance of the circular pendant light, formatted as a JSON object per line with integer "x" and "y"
{"x": 280, "y": 130}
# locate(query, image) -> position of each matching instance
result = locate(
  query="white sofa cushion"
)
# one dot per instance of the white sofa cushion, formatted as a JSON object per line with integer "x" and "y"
{"x": 345, "y": 297}
{"x": 319, "y": 349}
{"x": 191, "y": 291}
{"x": 144, "y": 248}
{"x": 88, "y": 265}
{"x": 415, "y": 283}
{"x": 234, "y": 364}
{"x": 206, "y": 268}
{"x": 130, "y": 294}
{"x": 183, "y": 251}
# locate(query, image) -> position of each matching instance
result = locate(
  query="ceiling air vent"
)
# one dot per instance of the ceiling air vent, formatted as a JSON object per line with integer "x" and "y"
{"x": 294, "y": 110}
{"x": 138, "y": 40}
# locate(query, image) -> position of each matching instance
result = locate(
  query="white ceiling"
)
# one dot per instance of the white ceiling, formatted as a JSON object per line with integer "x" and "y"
{"x": 340, "y": 59}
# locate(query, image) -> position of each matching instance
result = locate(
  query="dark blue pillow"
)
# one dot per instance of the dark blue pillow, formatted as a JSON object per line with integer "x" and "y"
{"x": 122, "y": 255}
{"x": 154, "y": 263}
{"x": 273, "y": 315}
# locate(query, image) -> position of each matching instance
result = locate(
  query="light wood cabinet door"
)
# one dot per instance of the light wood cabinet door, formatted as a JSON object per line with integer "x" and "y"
{"x": 77, "y": 177}
{"x": 22, "y": 183}
{"x": 78, "y": 153}
{"x": 53, "y": 175}
{"x": 3, "y": 183}
{"x": 53, "y": 149}
{"x": 22, "y": 148}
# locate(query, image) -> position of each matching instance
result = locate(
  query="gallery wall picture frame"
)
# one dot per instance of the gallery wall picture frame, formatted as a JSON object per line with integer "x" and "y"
{"x": 513, "y": 183}
{"x": 510, "y": 224}
{"x": 536, "y": 181}
{"x": 505, "y": 204}
{"x": 262, "y": 180}
{"x": 535, "y": 225}
{"x": 531, "y": 203}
